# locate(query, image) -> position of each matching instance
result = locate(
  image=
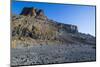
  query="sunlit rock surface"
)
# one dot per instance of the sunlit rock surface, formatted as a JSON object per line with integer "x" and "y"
{"x": 36, "y": 39}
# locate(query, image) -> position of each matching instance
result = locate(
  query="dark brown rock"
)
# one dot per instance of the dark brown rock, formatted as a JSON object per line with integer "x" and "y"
{"x": 28, "y": 11}
{"x": 31, "y": 11}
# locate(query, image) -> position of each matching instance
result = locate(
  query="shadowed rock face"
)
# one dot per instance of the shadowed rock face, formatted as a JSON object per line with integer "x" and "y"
{"x": 30, "y": 11}
{"x": 67, "y": 27}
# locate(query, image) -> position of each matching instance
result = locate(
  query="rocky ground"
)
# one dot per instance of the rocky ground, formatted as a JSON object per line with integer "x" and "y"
{"x": 50, "y": 54}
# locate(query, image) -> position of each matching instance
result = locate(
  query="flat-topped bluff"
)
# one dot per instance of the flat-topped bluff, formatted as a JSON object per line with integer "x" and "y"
{"x": 32, "y": 25}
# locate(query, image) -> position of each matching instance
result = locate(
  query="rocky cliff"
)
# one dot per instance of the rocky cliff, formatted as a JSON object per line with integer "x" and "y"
{"x": 39, "y": 13}
{"x": 33, "y": 24}
{"x": 36, "y": 39}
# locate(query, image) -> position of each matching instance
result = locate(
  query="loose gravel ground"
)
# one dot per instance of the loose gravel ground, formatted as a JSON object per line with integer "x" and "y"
{"x": 50, "y": 54}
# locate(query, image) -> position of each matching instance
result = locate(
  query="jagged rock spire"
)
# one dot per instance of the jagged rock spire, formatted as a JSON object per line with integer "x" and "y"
{"x": 31, "y": 11}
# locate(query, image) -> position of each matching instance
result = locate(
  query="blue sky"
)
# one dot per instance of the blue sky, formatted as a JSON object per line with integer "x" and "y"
{"x": 82, "y": 16}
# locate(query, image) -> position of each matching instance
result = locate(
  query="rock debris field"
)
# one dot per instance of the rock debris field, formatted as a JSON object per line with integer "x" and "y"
{"x": 50, "y": 54}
